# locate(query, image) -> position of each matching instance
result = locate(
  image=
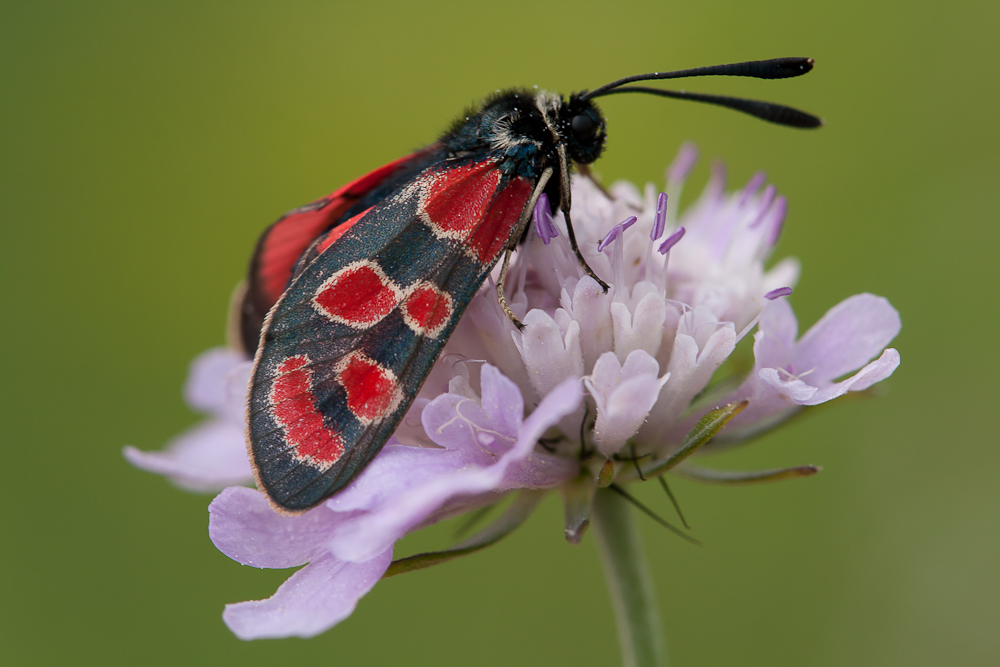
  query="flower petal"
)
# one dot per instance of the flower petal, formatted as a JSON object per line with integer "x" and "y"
{"x": 359, "y": 539}
{"x": 549, "y": 356}
{"x": 313, "y": 600}
{"x": 625, "y": 411}
{"x": 847, "y": 337}
{"x": 790, "y": 389}
{"x": 591, "y": 308}
{"x": 502, "y": 403}
{"x": 641, "y": 329}
{"x": 482, "y": 429}
{"x": 395, "y": 471}
{"x": 244, "y": 527}
{"x": 206, "y": 387}
{"x": 691, "y": 366}
{"x": 876, "y": 371}
{"x": 774, "y": 343}
{"x": 209, "y": 457}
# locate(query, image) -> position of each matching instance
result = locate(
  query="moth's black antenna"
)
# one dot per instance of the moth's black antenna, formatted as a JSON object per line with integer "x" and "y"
{"x": 773, "y": 113}
{"x": 776, "y": 68}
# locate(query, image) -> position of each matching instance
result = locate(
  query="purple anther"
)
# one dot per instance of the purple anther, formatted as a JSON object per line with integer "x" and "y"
{"x": 682, "y": 165}
{"x": 752, "y": 186}
{"x": 544, "y": 226}
{"x": 714, "y": 189}
{"x": 608, "y": 238}
{"x": 615, "y": 232}
{"x": 660, "y": 219}
{"x": 778, "y": 293}
{"x": 780, "y": 211}
{"x": 671, "y": 241}
{"x": 765, "y": 205}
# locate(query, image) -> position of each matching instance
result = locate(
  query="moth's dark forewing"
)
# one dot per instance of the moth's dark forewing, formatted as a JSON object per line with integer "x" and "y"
{"x": 282, "y": 244}
{"x": 349, "y": 344}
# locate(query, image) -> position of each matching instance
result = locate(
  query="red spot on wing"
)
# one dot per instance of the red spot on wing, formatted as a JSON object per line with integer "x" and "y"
{"x": 427, "y": 310}
{"x": 457, "y": 199}
{"x": 294, "y": 408}
{"x": 372, "y": 390}
{"x": 492, "y": 235}
{"x": 358, "y": 295}
{"x": 465, "y": 205}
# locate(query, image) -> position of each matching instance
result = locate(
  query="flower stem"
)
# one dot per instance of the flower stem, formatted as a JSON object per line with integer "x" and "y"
{"x": 632, "y": 596}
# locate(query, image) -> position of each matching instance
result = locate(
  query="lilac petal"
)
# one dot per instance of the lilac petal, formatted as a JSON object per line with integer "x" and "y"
{"x": 209, "y": 457}
{"x": 458, "y": 423}
{"x": 550, "y": 355}
{"x": 847, "y": 337}
{"x": 671, "y": 241}
{"x": 624, "y": 395}
{"x": 778, "y": 320}
{"x": 788, "y": 388}
{"x": 362, "y": 538}
{"x": 700, "y": 347}
{"x": 660, "y": 218}
{"x": 244, "y": 527}
{"x": 774, "y": 343}
{"x": 502, "y": 402}
{"x": 876, "y": 371}
{"x": 682, "y": 165}
{"x": 591, "y": 309}
{"x": 609, "y": 372}
{"x": 236, "y": 391}
{"x": 205, "y": 388}
{"x": 394, "y": 472}
{"x": 641, "y": 329}
{"x": 538, "y": 470}
{"x": 625, "y": 410}
{"x": 313, "y": 600}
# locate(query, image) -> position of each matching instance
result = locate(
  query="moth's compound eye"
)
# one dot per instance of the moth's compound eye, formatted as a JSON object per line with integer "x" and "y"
{"x": 583, "y": 126}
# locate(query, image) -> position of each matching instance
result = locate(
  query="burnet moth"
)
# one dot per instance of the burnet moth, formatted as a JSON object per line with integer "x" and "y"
{"x": 351, "y": 298}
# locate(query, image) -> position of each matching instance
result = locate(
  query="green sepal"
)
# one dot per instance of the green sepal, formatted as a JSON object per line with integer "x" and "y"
{"x": 703, "y": 431}
{"x": 514, "y": 516}
{"x": 578, "y": 498}
{"x": 606, "y": 475}
{"x": 732, "y": 477}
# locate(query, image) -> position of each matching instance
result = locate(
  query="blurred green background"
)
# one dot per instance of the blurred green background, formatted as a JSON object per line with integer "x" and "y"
{"x": 143, "y": 146}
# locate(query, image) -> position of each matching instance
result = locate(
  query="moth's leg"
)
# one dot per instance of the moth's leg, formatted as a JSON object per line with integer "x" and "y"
{"x": 500, "y": 295}
{"x": 579, "y": 255}
{"x": 522, "y": 223}
{"x": 565, "y": 205}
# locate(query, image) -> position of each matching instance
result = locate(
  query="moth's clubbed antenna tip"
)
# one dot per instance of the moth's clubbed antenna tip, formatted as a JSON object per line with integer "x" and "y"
{"x": 797, "y": 66}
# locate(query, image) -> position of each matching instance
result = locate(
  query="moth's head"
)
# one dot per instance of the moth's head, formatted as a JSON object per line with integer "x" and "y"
{"x": 583, "y": 129}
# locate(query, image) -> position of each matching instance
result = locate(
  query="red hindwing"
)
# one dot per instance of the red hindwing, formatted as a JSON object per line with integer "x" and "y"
{"x": 282, "y": 244}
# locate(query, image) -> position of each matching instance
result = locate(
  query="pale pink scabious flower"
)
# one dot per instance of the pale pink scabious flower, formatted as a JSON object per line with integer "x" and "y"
{"x": 501, "y": 411}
